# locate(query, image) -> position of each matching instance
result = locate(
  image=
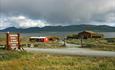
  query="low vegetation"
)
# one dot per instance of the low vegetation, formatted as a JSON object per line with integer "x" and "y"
{"x": 22, "y": 60}
{"x": 6, "y": 55}
{"x": 46, "y": 45}
{"x": 98, "y": 44}
{"x": 53, "y": 43}
{"x": 12, "y": 60}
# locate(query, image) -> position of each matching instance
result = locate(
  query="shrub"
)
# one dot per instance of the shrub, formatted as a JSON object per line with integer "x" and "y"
{"x": 72, "y": 36}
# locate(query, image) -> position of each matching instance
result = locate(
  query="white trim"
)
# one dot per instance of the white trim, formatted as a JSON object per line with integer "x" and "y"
{"x": 38, "y": 37}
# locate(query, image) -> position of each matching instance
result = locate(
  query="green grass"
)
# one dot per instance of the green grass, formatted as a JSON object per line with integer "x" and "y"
{"x": 16, "y": 60}
{"x": 2, "y": 40}
{"x": 97, "y": 44}
{"x": 107, "y": 44}
{"x": 44, "y": 45}
{"x": 9, "y": 55}
{"x": 41, "y": 61}
{"x": 25, "y": 41}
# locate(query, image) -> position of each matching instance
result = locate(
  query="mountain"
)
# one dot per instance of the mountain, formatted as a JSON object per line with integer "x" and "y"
{"x": 100, "y": 28}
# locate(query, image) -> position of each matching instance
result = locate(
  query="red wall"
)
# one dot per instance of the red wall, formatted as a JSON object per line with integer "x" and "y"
{"x": 46, "y": 40}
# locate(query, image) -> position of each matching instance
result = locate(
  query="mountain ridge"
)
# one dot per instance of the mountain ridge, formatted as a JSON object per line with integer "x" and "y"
{"x": 99, "y": 28}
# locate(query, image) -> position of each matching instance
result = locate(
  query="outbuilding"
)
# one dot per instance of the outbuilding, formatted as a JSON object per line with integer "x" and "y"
{"x": 89, "y": 34}
{"x": 38, "y": 39}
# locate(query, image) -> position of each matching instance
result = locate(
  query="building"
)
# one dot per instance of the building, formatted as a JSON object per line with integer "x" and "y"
{"x": 38, "y": 39}
{"x": 89, "y": 34}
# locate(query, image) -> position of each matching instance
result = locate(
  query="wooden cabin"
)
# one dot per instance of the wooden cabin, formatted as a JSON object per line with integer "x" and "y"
{"x": 38, "y": 39}
{"x": 89, "y": 34}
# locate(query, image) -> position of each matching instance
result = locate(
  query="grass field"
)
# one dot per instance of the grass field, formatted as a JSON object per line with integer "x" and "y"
{"x": 12, "y": 60}
{"x": 16, "y": 60}
{"x": 96, "y": 44}
{"x": 107, "y": 44}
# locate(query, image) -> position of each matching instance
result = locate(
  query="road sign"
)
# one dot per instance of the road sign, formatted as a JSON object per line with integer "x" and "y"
{"x": 13, "y": 41}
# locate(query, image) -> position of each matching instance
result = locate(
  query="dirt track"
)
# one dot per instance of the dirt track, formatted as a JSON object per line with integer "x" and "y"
{"x": 73, "y": 52}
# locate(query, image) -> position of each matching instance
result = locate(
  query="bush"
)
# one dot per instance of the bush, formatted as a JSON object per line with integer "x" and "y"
{"x": 72, "y": 36}
{"x": 53, "y": 38}
{"x": 110, "y": 39}
{"x": 89, "y": 45}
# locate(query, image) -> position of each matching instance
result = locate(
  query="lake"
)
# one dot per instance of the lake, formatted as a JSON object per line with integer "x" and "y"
{"x": 62, "y": 34}
{"x": 106, "y": 34}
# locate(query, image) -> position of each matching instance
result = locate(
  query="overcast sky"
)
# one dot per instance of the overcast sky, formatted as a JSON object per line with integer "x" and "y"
{"x": 40, "y": 13}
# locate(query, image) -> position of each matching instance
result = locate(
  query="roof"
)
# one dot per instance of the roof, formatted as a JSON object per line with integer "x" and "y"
{"x": 89, "y": 32}
{"x": 93, "y": 33}
{"x": 38, "y": 37}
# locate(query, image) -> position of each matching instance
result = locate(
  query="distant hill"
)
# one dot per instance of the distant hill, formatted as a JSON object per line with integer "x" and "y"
{"x": 101, "y": 28}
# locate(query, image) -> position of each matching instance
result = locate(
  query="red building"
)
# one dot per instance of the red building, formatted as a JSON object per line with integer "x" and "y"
{"x": 39, "y": 39}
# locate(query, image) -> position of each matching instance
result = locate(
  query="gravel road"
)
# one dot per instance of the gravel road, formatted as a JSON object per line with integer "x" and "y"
{"x": 73, "y": 52}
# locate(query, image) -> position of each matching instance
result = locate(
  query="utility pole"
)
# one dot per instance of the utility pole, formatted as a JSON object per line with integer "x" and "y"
{"x": 81, "y": 41}
{"x": 64, "y": 41}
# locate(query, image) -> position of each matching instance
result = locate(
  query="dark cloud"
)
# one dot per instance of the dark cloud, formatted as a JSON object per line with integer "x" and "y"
{"x": 61, "y": 12}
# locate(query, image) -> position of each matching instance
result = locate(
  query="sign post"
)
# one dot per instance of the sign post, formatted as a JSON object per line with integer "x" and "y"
{"x": 13, "y": 41}
{"x": 81, "y": 41}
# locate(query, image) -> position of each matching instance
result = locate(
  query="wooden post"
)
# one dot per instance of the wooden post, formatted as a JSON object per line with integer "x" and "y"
{"x": 19, "y": 41}
{"x": 81, "y": 41}
{"x": 64, "y": 42}
{"x": 7, "y": 41}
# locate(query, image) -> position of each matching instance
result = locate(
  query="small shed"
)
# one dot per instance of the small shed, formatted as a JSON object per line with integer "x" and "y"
{"x": 89, "y": 34}
{"x": 38, "y": 39}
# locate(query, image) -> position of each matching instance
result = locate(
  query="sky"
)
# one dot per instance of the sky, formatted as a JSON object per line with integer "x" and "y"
{"x": 40, "y": 13}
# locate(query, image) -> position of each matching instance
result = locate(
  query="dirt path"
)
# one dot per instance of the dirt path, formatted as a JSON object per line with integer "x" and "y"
{"x": 73, "y": 52}
{"x": 70, "y": 45}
